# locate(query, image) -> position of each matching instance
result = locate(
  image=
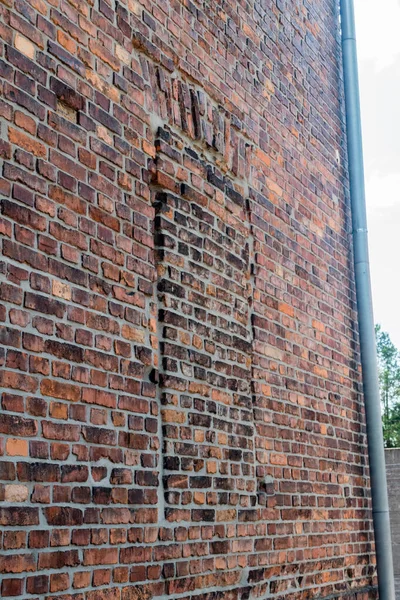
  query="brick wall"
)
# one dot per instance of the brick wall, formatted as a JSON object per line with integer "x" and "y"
{"x": 181, "y": 408}
{"x": 392, "y": 457}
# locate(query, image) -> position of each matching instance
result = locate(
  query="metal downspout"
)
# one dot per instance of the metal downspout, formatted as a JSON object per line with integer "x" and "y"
{"x": 380, "y": 505}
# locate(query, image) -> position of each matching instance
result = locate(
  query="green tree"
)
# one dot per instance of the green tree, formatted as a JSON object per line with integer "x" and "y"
{"x": 389, "y": 384}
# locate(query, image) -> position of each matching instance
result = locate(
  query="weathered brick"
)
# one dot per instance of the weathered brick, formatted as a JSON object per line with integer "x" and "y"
{"x": 38, "y": 472}
{"x": 24, "y": 255}
{"x": 15, "y": 425}
{"x": 7, "y": 471}
{"x": 26, "y": 65}
{"x": 10, "y": 337}
{"x": 58, "y": 389}
{"x": 38, "y": 584}
{"x": 67, "y": 94}
{"x": 121, "y": 477}
{"x": 14, "y": 173}
{"x": 93, "y": 396}
{"x": 99, "y": 435}
{"x": 69, "y": 352}
{"x": 23, "y": 141}
{"x": 58, "y": 560}
{"x": 135, "y": 554}
{"x": 61, "y": 516}
{"x": 105, "y": 119}
{"x": 25, "y": 101}
{"x": 17, "y": 563}
{"x": 59, "y": 582}
{"x": 11, "y": 293}
{"x": 23, "y": 26}
{"x": 66, "y": 58}
{"x": 17, "y": 447}
{"x": 19, "y": 516}
{"x": 12, "y": 587}
{"x": 100, "y": 556}
{"x": 71, "y": 473}
{"x": 60, "y": 431}
{"x": 44, "y": 305}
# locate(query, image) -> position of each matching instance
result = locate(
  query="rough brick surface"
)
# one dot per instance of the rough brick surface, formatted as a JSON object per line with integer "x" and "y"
{"x": 181, "y": 399}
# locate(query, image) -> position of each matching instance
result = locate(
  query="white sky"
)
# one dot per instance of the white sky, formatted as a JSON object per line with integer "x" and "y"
{"x": 378, "y": 40}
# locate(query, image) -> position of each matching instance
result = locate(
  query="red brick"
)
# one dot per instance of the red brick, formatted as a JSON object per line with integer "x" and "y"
{"x": 17, "y": 563}
{"x": 23, "y": 141}
{"x": 92, "y": 396}
{"x": 135, "y": 554}
{"x": 57, "y": 389}
{"x": 11, "y": 293}
{"x": 39, "y": 584}
{"x": 39, "y": 539}
{"x": 100, "y": 556}
{"x": 15, "y": 425}
{"x": 101, "y": 577}
{"x": 14, "y": 540}
{"x": 61, "y": 431}
{"x": 59, "y": 582}
{"x": 57, "y": 515}
{"x": 12, "y": 587}
{"x": 82, "y": 579}
{"x": 58, "y": 560}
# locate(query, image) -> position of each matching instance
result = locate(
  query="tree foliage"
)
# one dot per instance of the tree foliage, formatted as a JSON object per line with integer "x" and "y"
{"x": 389, "y": 383}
